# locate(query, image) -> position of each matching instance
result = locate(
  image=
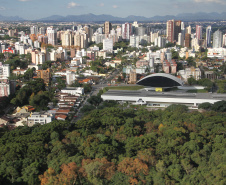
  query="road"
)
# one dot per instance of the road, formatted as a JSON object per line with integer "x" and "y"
{"x": 95, "y": 90}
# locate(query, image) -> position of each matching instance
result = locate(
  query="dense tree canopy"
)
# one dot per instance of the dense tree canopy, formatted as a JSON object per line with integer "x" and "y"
{"x": 33, "y": 93}
{"x": 115, "y": 146}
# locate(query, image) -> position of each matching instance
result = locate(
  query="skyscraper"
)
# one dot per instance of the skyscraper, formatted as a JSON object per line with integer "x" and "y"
{"x": 140, "y": 31}
{"x": 170, "y": 30}
{"x": 126, "y": 31}
{"x": 182, "y": 26}
{"x": 34, "y": 30}
{"x": 187, "y": 40}
{"x": 66, "y": 38}
{"x": 198, "y": 32}
{"x": 224, "y": 40}
{"x": 80, "y": 40}
{"x": 107, "y": 27}
{"x": 52, "y": 36}
{"x": 173, "y": 28}
{"x": 42, "y": 31}
{"x": 77, "y": 40}
{"x": 177, "y": 29}
{"x": 89, "y": 32}
{"x": 119, "y": 31}
{"x": 188, "y": 29}
{"x": 180, "y": 39}
{"x": 217, "y": 39}
{"x": 208, "y": 36}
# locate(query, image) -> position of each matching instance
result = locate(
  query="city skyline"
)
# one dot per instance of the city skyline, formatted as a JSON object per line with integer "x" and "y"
{"x": 37, "y": 9}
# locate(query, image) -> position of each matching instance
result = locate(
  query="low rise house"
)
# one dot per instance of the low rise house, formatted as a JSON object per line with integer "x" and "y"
{"x": 19, "y": 71}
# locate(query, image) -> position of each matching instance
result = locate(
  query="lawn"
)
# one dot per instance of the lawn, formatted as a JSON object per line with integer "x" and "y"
{"x": 197, "y": 91}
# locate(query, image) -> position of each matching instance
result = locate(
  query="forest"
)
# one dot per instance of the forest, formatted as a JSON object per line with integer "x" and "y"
{"x": 118, "y": 146}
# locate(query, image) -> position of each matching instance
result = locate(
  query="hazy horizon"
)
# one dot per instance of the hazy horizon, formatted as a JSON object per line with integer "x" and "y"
{"x": 37, "y": 9}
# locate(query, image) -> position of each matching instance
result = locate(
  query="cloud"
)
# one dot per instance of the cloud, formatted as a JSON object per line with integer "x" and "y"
{"x": 72, "y": 5}
{"x": 115, "y": 6}
{"x": 101, "y": 4}
{"x": 223, "y": 2}
{"x": 2, "y": 8}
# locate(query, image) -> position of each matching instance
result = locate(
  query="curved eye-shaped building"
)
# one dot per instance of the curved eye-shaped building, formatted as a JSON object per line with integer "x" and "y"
{"x": 160, "y": 80}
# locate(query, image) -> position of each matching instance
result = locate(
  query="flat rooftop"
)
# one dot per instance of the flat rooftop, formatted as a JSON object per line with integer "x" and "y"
{"x": 165, "y": 94}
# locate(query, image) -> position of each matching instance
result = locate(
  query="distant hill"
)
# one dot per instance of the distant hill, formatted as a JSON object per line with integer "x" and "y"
{"x": 10, "y": 18}
{"x": 88, "y": 18}
{"x": 200, "y": 16}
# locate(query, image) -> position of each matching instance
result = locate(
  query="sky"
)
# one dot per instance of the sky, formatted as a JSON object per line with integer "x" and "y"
{"x": 35, "y": 9}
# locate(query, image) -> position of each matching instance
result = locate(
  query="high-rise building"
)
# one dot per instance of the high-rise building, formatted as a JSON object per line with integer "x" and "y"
{"x": 52, "y": 36}
{"x": 182, "y": 30}
{"x": 107, "y": 44}
{"x": 135, "y": 24}
{"x": 134, "y": 41}
{"x": 98, "y": 38}
{"x": 107, "y": 27}
{"x": 198, "y": 32}
{"x": 66, "y": 39}
{"x": 4, "y": 71}
{"x": 173, "y": 28}
{"x": 36, "y": 44}
{"x": 77, "y": 40}
{"x": 180, "y": 39}
{"x": 43, "y": 39}
{"x": 11, "y": 33}
{"x": 126, "y": 31}
{"x": 153, "y": 36}
{"x": 34, "y": 30}
{"x": 187, "y": 40}
{"x": 224, "y": 40}
{"x": 208, "y": 36}
{"x": 161, "y": 42}
{"x": 84, "y": 40}
{"x": 42, "y": 31}
{"x": 80, "y": 40}
{"x": 100, "y": 30}
{"x": 188, "y": 29}
{"x": 177, "y": 29}
{"x": 4, "y": 82}
{"x": 217, "y": 39}
{"x": 89, "y": 32}
{"x": 79, "y": 27}
{"x": 119, "y": 31}
{"x": 182, "y": 26}
{"x": 140, "y": 31}
{"x": 170, "y": 30}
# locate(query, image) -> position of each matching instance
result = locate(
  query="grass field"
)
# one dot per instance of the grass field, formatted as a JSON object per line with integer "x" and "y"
{"x": 132, "y": 88}
{"x": 198, "y": 91}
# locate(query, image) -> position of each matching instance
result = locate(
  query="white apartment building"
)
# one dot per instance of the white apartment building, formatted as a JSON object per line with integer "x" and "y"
{"x": 107, "y": 44}
{"x": 39, "y": 118}
{"x": 66, "y": 38}
{"x": 134, "y": 41}
{"x": 52, "y": 36}
{"x": 4, "y": 71}
{"x": 190, "y": 72}
{"x": 216, "y": 52}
